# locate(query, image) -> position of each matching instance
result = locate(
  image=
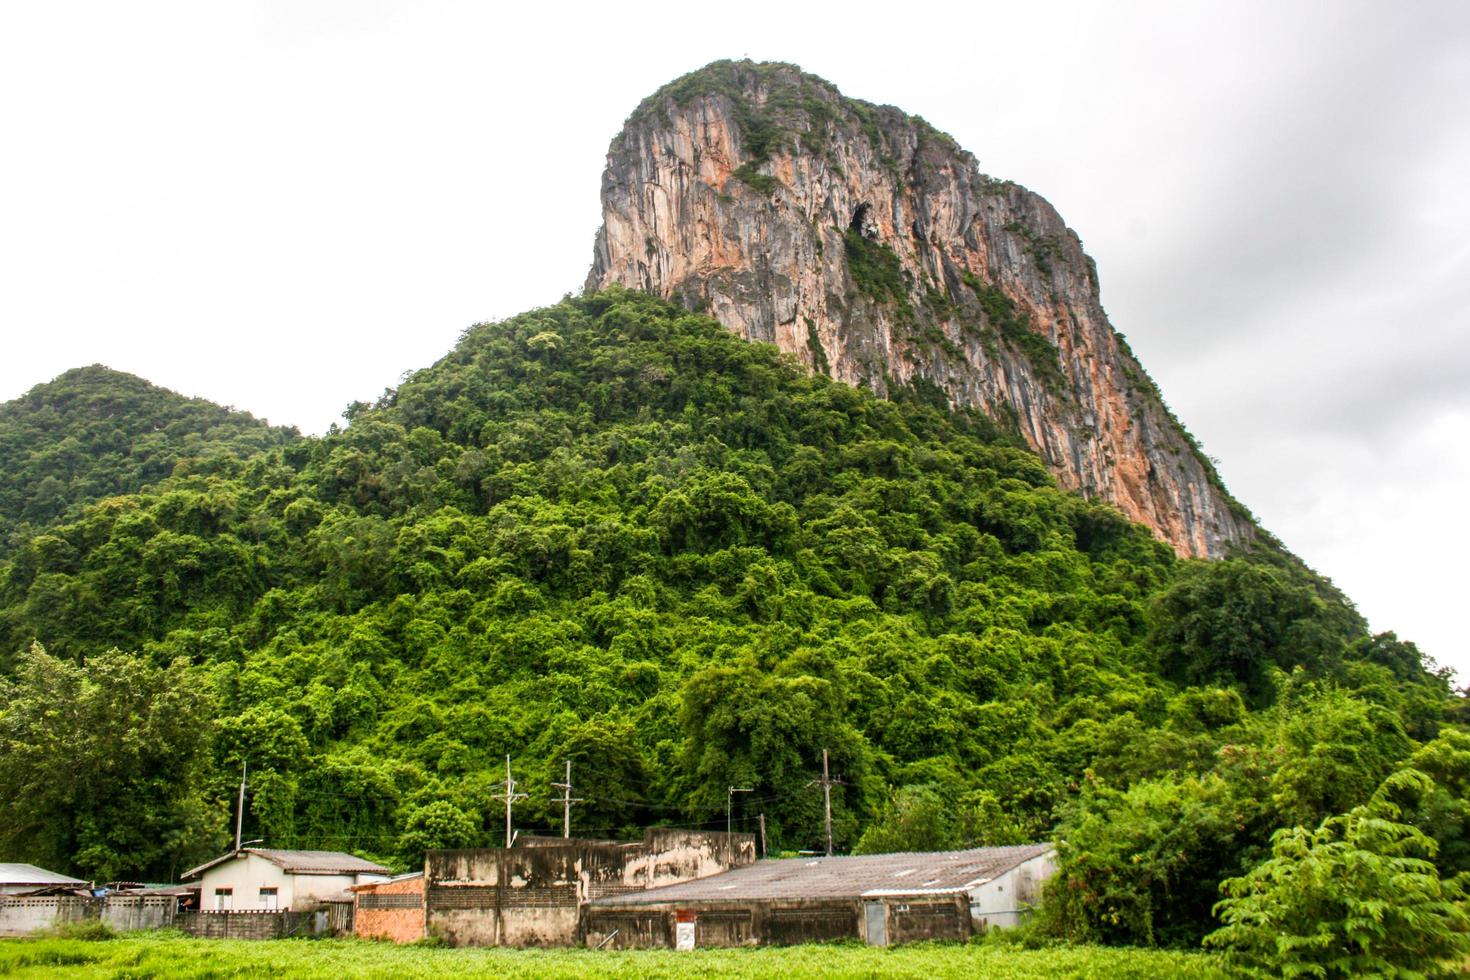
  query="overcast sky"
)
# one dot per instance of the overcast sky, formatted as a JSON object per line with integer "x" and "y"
{"x": 284, "y": 206}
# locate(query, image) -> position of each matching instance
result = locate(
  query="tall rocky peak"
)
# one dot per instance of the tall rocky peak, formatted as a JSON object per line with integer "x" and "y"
{"x": 869, "y": 245}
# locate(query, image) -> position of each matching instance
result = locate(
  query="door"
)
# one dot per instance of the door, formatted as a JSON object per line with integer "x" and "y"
{"x": 877, "y": 918}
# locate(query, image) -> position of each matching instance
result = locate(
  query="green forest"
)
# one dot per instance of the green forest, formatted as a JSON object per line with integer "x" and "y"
{"x": 612, "y": 532}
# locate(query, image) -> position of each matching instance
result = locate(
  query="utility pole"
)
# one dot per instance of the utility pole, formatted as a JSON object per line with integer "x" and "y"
{"x": 827, "y": 782}
{"x": 511, "y": 797}
{"x": 240, "y": 807}
{"x": 730, "y": 803}
{"x": 566, "y": 802}
{"x": 764, "y": 853}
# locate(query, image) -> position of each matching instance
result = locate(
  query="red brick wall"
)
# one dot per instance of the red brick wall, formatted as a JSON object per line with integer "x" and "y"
{"x": 403, "y": 922}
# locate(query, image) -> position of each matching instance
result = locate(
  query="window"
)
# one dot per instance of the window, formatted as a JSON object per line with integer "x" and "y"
{"x": 268, "y": 899}
{"x": 224, "y": 899}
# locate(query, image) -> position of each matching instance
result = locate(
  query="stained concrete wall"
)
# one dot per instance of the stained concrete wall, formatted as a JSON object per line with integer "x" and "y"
{"x": 532, "y": 895}
{"x": 125, "y": 913}
{"x": 774, "y": 922}
{"x": 20, "y": 916}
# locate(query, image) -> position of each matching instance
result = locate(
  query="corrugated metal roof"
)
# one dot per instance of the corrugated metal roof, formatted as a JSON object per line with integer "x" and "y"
{"x": 320, "y": 862}
{"x": 910, "y": 873}
{"x": 29, "y": 874}
{"x": 302, "y": 862}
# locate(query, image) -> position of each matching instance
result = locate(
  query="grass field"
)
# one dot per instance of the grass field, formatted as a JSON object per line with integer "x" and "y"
{"x": 165, "y": 955}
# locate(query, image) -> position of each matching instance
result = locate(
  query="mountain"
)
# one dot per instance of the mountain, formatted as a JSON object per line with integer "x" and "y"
{"x": 613, "y": 532}
{"x": 94, "y": 432}
{"x": 868, "y": 244}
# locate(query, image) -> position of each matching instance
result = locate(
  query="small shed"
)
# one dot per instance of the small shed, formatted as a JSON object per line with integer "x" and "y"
{"x": 879, "y": 898}
{"x": 392, "y": 909}
{"x": 260, "y": 879}
{"x": 20, "y": 879}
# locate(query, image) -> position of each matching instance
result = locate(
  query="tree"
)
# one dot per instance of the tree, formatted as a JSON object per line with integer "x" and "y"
{"x": 435, "y": 825}
{"x": 1359, "y": 896}
{"x": 1232, "y": 621}
{"x": 1141, "y": 866}
{"x": 916, "y": 819}
{"x": 103, "y": 766}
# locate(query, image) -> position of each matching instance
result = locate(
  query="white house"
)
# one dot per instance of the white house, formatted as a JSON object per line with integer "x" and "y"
{"x": 257, "y": 879}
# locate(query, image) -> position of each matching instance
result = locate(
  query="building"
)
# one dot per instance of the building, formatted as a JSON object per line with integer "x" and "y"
{"x": 533, "y": 894}
{"x": 392, "y": 909}
{"x": 879, "y": 898}
{"x": 19, "y": 879}
{"x": 254, "y": 879}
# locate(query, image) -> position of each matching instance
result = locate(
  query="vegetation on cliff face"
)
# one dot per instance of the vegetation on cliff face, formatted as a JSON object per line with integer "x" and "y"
{"x": 910, "y": 264}
{"x": 610, "y": 531}
{"x": 94, "y": 432}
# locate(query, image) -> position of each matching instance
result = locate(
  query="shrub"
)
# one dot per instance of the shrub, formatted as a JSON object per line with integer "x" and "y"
{"x": 88, "y": 929}
{"x": 1356, "y": 897}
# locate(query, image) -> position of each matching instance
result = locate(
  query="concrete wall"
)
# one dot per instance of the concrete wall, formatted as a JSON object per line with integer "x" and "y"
{"x": 918, "y": 919}
{"x": 1005, "y": 901}
{"x": 246, "y": 925}
{"x": 21, "y": 916}
{"x": 392, "y": 910}
{"x": 775, "y": 922}
{"x": 125, "y": 913}
{"x": 532, "y": 895}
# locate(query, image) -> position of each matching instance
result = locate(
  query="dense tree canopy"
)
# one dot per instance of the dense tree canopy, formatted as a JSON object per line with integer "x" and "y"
{"x": 610, "y": 531}
{"x": 94, "y": 432}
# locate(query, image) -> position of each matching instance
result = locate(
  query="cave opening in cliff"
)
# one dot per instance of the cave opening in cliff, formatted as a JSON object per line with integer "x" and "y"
{"x": 861, "y": 223}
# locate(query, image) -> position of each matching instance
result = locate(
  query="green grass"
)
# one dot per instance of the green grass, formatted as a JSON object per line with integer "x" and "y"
{"x": 167, "y": 955}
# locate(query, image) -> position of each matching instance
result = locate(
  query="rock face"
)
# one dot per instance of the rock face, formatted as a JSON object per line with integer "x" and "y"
{"x": 868, "y": 244}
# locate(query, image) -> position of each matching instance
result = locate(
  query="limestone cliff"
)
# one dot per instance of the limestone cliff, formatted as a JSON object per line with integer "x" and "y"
{"x": 869, "y": 245}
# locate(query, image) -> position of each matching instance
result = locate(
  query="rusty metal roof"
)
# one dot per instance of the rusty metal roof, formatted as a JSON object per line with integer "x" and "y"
{"x": 910, "y": 873}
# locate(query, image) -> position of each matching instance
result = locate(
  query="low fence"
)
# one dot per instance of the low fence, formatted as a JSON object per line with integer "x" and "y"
{"x": 332, "y": 918}
{"x": 22, "y": 916}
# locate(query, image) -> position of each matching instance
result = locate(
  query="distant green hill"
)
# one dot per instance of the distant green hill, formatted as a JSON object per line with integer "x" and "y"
{"x": 611, "y": 531}
{"x": 94, "y": 432}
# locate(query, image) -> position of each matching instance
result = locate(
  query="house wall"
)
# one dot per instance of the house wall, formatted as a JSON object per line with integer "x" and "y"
{"x": 1005, "y": 902}
{"x": 532, "y": 895}
{"x": 245, "y": 875}
{"x": 393, "y": 910}
{"x": 308, "y": 890}
{"x": 248, "y": 873}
